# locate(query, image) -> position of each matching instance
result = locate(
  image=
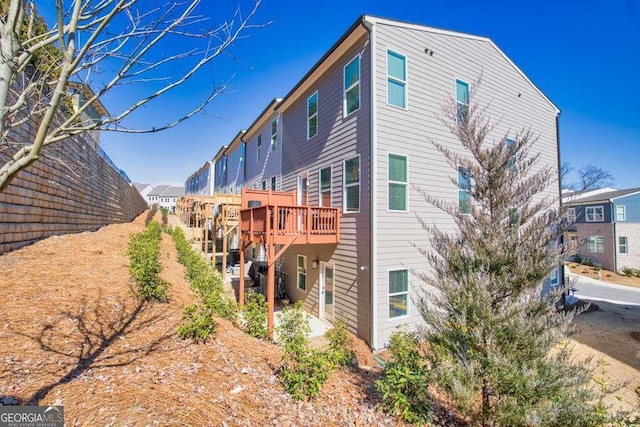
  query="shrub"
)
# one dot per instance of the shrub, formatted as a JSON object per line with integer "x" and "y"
{"x": 150, "y": 214}
{"x": 165, "y": 220}
{"x": 144, "y": 255}
{"x": 597, "y": 266}
{"x": 338, "y": 351}
{"x": 404, "y": 387}
{"x": 587, "y": 261}
{"x": 627, "y": 271}
{"x": 636, "y": 272}
{"x": 197, "y": 323}
{"x": 255, "y": 316}
{"x": 304, "y": 370}
{"x": 205, "y": 281}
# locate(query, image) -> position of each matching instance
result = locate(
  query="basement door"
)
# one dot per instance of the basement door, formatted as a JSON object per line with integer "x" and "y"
{"x": 326, "y": 291}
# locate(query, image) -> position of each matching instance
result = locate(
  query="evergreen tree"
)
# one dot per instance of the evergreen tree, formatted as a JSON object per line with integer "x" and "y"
{"x": 498, "y": 347}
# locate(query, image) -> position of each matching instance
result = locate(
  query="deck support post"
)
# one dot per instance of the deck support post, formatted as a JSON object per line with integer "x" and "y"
{"x": 271, "y": 287}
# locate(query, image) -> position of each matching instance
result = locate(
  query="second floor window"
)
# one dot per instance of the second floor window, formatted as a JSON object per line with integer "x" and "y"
{"x": 594, "y": 213}
{"x": 274, "y": 134}
{"x": 621, "y": 213}
{"x": 352, "y": 185}
{"x": 397, "y": 182}
{"x": 352, "y": 86}
{"x": 512, "y": 165}
{"x": 312, "y": 115}
{"x": 396, "y": 79}
{"x": 273, "y": 183}
{"x": 464, "y": 190}
{"x": 259, "y": 149}
{"x": 462, "y": 99}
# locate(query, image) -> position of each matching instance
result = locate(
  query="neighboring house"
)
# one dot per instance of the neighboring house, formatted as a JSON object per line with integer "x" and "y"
{"x": 202, "y": 182}
{"x": 154, "y": 195}
{"x": 144, "y": 190}
{"x": 234, "y": 155}
{"x": 220, "y": 167}
{"x": 606, "y": 228}
{"x": 355, "y": 133}
{"x": 167, "y": 199}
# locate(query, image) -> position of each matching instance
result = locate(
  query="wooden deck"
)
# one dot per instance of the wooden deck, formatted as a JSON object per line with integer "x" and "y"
{"x": 277, "y": 219}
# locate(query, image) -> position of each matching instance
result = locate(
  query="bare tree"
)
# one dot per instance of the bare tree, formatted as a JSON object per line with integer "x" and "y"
{"x": 590, "y": 177}
{"x": 105, "y": 45}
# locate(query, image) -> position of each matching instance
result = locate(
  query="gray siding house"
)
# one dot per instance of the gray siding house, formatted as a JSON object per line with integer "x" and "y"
{"x": 263, "y": 140}
{"x": 356, "y": 133}
{"x": 606, "y": 228}
{"x": 201, "y": 182}
{"x": 234, "y": 155}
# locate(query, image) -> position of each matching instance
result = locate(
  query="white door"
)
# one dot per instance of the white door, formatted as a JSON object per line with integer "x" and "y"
{"x": 327, "y": 288}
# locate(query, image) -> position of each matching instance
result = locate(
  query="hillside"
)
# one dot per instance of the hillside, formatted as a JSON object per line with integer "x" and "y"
{"x": 72, "y": 333}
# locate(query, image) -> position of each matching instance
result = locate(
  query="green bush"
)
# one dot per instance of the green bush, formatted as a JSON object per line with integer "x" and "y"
{"x": 304, "y": 370}
{"x": 338, "y": 352}
{"x": 597, "y": 266}
{"x": 587, "y": 261}
{"x": 636, "y": 272}
{"x": 165, "y": 220}
{"x": 144, "y": 255}
{"x": 255, "y": 316}
{"x": 205, "y": 281}
{"x": 405, "y": 386}
{"x": 150, "y": 214}
{"x": 627, "y": 271}
{"x": 197, "y": 323}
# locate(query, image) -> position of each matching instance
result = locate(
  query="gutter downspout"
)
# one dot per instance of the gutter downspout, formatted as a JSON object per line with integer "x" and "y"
{"x": 561, "y": 266}
{"x": 373, "y": 191}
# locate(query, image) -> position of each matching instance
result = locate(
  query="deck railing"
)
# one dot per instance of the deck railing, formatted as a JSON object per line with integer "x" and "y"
{"x": 315, "y": 224}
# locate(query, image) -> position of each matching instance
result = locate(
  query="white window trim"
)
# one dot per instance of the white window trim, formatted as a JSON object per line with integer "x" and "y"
{"x": 346, "y": 89}
{"x": 344, "y": 185}
{"x": 571, "y": 215}
{"x": 407, "y": 292}
{"x": 405, "y": 82}
{"x": 624, "y": 213}
{"x": 273, "y": 146}
{"x": 398, "y": 182}
{"x": 510, "y": 141}
{"x": 298, "y": 272}
{"x": 555, "y": 275}
{"x": 626, "y": 245}
{"x": 455, "y": 93}
{"x": 330, "y": 167}
{"x": 595, "y": 242}
{"x": 595, "y": 217}
{"x": 259, "y": 147}
{"x": 458, "y": 189}
{"x": 314, "y": 115}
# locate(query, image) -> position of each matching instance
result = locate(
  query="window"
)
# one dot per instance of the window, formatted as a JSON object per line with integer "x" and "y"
{"x": 352, "y": 185}
{"x": 595, "y": 244}
{"x": 325, "y": 186}
{"x": 514, "y": 217}
{"x": 621, "y": 213}
{"x": 312, "y": 115}
{"x": 397, "y": 182}
{"x": 512, "y": 165}
{"x": 464, "y": 190}
{"x": 553, "y": 278}
{"x": 571, "y": 215}
{"x": 264, "y": 185}
{"x": 273, "y": 183}
{"x": 352, "y": 86}
{"x": 398, "y": 293}
{"x": 594, "y": 213}
{"x": 259, "y": 150}
{"x": 623, "y": 245}
{"x": 274, "y": 134}
{"x": 462, "y": 99}
{"x": 396, "y": 79}
{"x": 302, "y": 272}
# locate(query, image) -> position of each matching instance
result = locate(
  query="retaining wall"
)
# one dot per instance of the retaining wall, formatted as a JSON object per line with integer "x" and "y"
{"x": 70, "y": 189}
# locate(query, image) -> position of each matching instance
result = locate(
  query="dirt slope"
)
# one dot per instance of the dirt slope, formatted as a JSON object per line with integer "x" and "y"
{"x": 73, "y": 333}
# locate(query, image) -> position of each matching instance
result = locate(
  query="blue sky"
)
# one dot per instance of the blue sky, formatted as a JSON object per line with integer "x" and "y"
{"x": 583, "y": 55}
